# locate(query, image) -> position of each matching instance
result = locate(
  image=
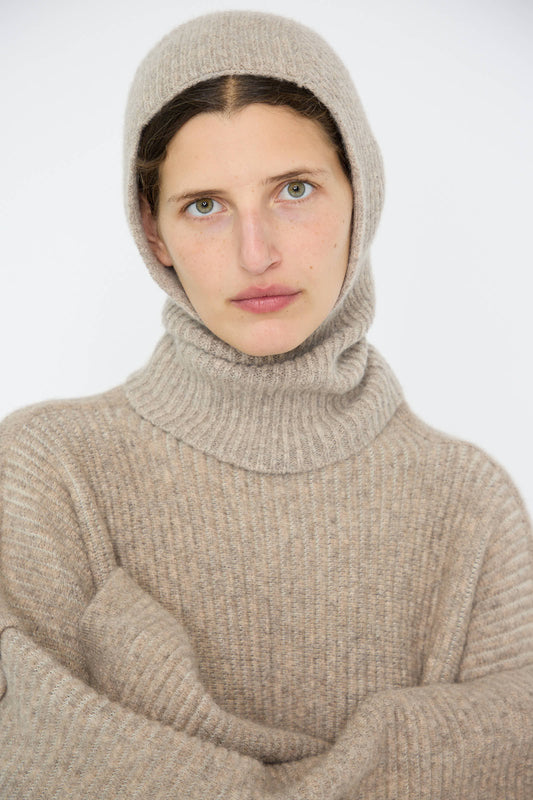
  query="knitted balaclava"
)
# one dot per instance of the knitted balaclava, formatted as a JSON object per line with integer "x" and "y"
{"x": 330, "y": 367}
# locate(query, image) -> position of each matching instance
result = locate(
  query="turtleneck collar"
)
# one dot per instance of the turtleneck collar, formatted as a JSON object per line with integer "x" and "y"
{"x": 330, "y": 397}
{"x": 294, "y": 412}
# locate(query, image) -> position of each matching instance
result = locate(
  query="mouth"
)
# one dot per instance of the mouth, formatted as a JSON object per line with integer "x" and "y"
{"x": 267, "y": 299}
{"x": 276, "y": 290}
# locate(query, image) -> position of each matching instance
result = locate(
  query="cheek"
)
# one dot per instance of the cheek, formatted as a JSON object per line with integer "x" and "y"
{"x": 199, "y": 259}
{"x": 324, "y": 239}
{"x": 203, "y": 275}
{"x": 340, "y": 227}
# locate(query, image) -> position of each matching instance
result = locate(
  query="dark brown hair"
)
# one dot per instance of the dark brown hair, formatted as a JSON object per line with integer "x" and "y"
{"x": 225, "y": 94}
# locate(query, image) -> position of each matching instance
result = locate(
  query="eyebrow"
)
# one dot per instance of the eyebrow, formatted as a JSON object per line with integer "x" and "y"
{"x": 285, "y": 176}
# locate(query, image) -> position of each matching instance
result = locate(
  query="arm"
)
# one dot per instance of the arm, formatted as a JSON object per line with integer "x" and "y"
{"x": 56, "y": 732}
{"x": 471, "y": 741}
{"x": 467, "y": 739}
{"x": 59, "y": 736}
{"x": 467, "y": 731}
{"x": 439, "y": 740}
{"x": 140, "y": 656}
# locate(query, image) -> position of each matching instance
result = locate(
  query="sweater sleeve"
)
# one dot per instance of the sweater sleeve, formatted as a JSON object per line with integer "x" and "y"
{"x": 467, "y": 738}
{"x": 59, "y": 735}
{"x": 139, "y": 655}
{"x": 466, "y": 732}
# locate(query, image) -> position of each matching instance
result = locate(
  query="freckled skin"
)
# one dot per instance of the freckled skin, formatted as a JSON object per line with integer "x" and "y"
{"x": 256, "y": 233}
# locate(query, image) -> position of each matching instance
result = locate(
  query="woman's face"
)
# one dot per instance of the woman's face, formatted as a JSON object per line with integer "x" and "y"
{"x": 254, "y": 204}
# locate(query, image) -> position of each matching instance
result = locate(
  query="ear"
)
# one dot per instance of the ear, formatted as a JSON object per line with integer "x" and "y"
{"x": 151, "y": 232}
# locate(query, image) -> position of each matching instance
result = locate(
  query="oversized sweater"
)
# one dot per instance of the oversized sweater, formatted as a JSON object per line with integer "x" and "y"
{"x": 178, "y": 626}
{"x": 241, "y": 578}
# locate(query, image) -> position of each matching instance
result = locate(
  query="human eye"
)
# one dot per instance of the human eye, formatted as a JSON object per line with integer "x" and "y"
{"x": 203, "y": 207}
{"x": 296, "y": 190}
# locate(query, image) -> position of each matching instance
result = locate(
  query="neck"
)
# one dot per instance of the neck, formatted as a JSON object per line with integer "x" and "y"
{"x": 318, "y": 404}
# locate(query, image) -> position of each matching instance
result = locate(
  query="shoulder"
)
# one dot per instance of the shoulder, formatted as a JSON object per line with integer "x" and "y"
{"x": 54, "y": 426}
{"x": 458, "y": 468}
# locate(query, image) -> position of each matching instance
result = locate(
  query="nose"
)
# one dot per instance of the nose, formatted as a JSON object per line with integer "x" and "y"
{"x": 257, "y": 250}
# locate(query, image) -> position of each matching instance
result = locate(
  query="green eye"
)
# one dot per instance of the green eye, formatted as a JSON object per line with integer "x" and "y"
{"x": 296, "y": 189}
{"x": 204, "y": 206}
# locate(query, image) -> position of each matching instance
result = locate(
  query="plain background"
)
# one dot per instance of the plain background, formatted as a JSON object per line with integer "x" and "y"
{"x": 447, "y": 88}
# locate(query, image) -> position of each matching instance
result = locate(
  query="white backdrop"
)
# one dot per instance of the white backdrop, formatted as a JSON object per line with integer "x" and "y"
{"x": 447, "y": 88}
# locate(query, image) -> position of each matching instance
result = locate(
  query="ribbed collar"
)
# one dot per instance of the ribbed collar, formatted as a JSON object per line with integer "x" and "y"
{"x": 295, "y": 412}
{"x": 328, "y": 398}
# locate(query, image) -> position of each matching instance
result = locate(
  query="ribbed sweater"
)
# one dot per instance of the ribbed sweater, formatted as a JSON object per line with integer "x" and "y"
{"x": 241, "y": 578}
{"x": 178, "y": 626}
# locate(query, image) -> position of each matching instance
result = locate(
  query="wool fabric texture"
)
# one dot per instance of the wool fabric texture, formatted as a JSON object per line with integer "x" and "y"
{"x": 252, "y": 577}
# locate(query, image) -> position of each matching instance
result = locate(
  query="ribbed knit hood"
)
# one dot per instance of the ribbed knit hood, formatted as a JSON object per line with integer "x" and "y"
{"x": 331, "y": 395}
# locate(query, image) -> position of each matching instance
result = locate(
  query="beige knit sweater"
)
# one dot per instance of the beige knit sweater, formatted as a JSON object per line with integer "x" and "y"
{"x": 244, "y": 578}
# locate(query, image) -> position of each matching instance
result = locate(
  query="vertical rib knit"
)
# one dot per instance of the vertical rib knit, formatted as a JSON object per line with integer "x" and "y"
{"x": 241, "y": 578}
{"x": 175, "y": 624}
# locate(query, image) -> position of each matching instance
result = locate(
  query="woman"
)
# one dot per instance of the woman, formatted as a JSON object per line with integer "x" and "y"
{"x": 252, "y": 571}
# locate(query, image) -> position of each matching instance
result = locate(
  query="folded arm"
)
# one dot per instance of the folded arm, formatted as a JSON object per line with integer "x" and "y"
{"x": 139, "y": 655}
{"x": 471, "y": 738}
{"x": 101, "y": 694}
{"x": 61, "y": 734}
{"x": 467, "y": 731}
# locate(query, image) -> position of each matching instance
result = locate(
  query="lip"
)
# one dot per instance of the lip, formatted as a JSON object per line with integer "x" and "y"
{"x": 266, "y": 299}
{"x": 276, "y": 290}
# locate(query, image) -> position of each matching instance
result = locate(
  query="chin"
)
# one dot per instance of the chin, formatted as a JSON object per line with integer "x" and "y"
{"x": 267, "y": 347}
{"x": 266, "y": 337}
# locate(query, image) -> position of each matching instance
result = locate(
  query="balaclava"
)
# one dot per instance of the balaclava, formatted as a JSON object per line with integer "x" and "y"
{"x": 332, "y": 395}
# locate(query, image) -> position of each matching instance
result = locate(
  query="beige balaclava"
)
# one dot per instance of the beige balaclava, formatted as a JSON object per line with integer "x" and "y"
{"x": 334, "y": 393}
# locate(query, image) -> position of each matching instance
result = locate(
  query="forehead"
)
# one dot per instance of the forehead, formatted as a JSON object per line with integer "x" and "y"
{"x": 252, "y": 141}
